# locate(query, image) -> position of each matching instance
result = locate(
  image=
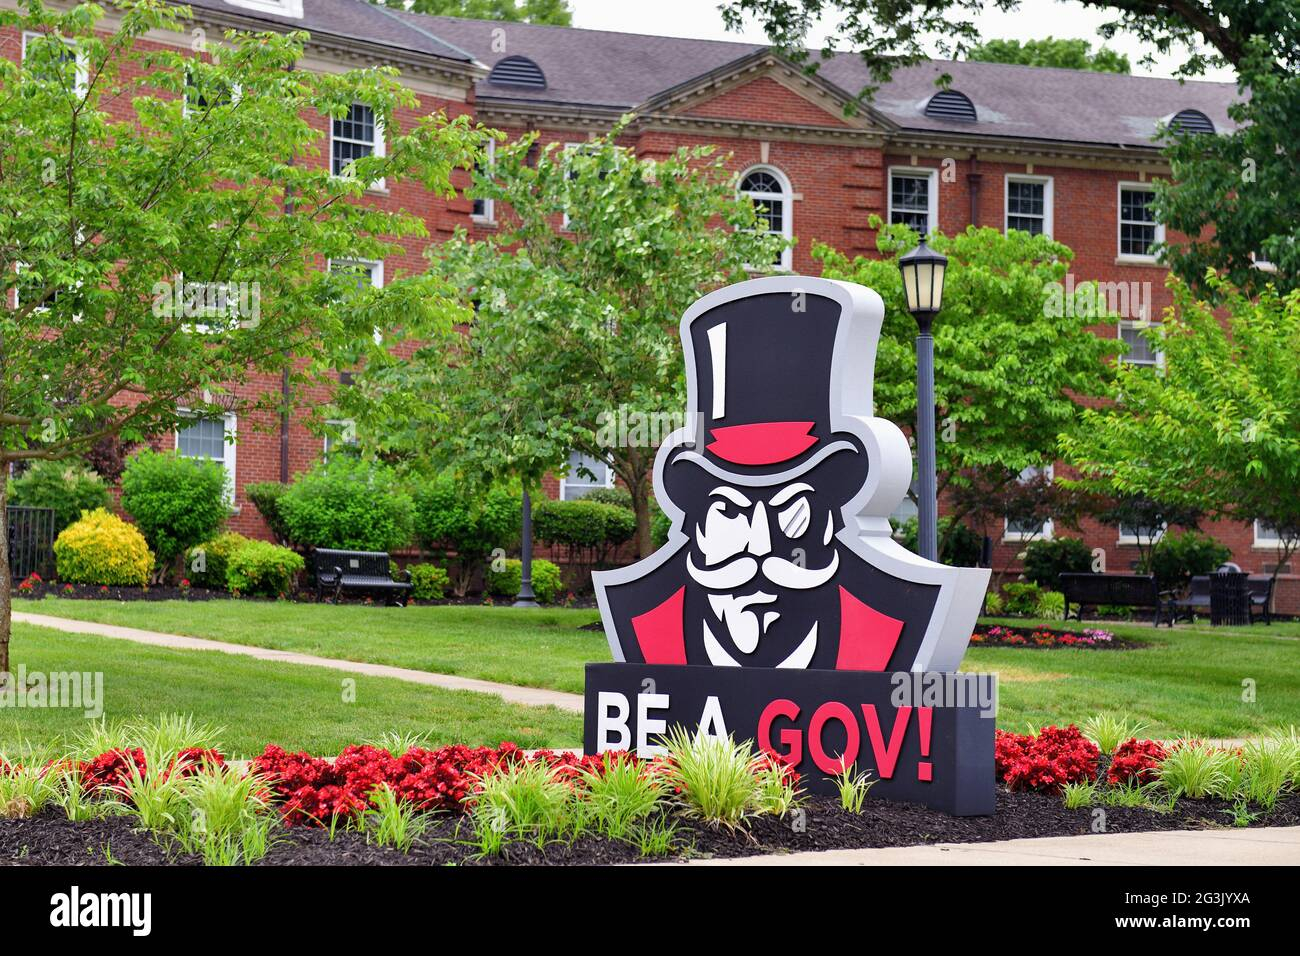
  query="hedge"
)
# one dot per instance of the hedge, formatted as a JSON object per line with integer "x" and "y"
{"x": 101, "y": 548}
{"x": 506, "y": 582}
{"x": 348, "y": 504}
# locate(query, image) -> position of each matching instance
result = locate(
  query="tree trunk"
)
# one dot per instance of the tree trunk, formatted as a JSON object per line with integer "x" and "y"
{"x": 6, "y": 584}
{"x": 641, "y": 505}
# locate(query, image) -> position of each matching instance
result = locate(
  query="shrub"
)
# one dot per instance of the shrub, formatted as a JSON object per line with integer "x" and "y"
{"x": 1192, "y": 769}
{"x": 101, "y": 548}
{"x": 1176, "y": 557}
{"x": 67, "y": 488}
{"x": 206, "y": 563}
{"x": 428, "y": 582}
{"x": 959, "y": 546}
{"x": 265, "y": 496}
{"x": 505, "y": 583}
{"x": 176, "y": 502}
{"x": 1046, "y": 762}
{"x": 1108, "y": 730}
{"x": 260, "y": 567}
{"x": 1051, "y": 605}
{"x": 659, "y": 525}
{"x": 1021, "y": 598}
{"x": 619, "y": 497}
{"x": 1047, "y": 558}
{"x": 451, "y": 517}
{"x": 1135, "y": 763}
{"x": 714, "y": 779}
{"x": 346, "y": 504}
{"x": 588, "y": 531}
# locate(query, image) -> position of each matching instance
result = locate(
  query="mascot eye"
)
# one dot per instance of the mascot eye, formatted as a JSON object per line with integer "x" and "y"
{"x": 794, "y": 519}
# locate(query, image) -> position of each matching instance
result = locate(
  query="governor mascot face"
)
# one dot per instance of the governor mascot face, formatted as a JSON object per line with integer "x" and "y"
{"x": 760, "y": 569}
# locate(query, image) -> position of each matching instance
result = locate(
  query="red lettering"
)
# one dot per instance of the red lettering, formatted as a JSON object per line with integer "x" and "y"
{"x": 833, "y": 710}
{"x": 886, "y": 757}
{"x": 791, "y": 739}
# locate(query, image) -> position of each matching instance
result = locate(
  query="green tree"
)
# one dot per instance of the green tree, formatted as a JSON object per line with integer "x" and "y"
{"x": 1233, "y": 193}
{"x": 552, "y": 12}
{"x": 576, "y": 300}
{"x": 1010, "y": 366}
{"x": 1067, "y": 54}
{"x": 111, "y": 221}
{"x": 1218, "y": 430}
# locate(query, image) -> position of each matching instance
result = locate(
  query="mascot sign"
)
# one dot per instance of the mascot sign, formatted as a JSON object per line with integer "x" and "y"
{"x": 781, "y": 610}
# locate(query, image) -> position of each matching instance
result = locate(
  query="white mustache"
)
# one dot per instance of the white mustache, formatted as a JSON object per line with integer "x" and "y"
{"x": 779, "y": 571}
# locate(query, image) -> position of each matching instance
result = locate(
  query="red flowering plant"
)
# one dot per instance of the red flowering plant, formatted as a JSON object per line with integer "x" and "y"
{"x": 1135, "y": 762}
{"x": 112, "y": 770}
{"x": 1045, "y": 762}
{"x": 30, "y": 582}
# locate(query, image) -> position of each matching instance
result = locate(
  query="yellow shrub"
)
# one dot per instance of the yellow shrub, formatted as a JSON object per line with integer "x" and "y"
{"x": 101, "y": 548}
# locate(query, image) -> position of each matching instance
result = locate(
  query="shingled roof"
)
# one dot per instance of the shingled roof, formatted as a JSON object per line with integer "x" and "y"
{"x": 620, "y": 71}
{"x": 351, "y": 19}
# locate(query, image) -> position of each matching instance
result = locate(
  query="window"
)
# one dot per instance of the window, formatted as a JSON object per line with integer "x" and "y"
{"x": 1132, "y": 534}
{"x": 279, "y": 8}
{"x": 485, "y": 209}
{"x": 1139, "y": 350}
{"x": 1138, "y": 230}
{"x": 770, "y": 191}
{"x": 354, "y": 136}
{"x": 585, "y": 474}
{"x": 1022, "y": 531}
{"x": 1029, "y": 204}
{"x": 367, "y": 271}
{"x": 213, "y": 439}
{"x": 50, "y": 62}
{"x": 340, "y": 437}
{"x": 914, "y": 198}
{"x": 198, "y": 97}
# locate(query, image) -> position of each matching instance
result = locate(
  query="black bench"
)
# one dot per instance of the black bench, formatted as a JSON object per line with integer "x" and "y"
{"x": 1129, "y": 590}
{"x": 362, "y": 572}
{"x": 1260, "y": 587}
{"x": 1197, "y": 600}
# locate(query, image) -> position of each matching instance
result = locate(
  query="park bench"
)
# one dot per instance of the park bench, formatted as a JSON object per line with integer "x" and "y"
{"x": 1260, "y": 587}
{"x": 1128, "y": 590}
{"x": 1255, "y": 602}
{"x": 358, "y": 572}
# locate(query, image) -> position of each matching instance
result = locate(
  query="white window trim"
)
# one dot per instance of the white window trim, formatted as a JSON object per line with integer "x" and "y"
{"x": 380, "y": 145}
{"x": 932, "y": 213}
{"x": 236, "y": 92}
{"x": 230, "y": 424}
{"x": 1119, "y": 222}
{"x": 1048, "y": 524}
{"x": 610, "y": 478}
{"x": 347, "y": 426}
{"x": 787, "y": 202}
{"x": 376, "y": 267}
{"x": 1263, "y": 540}
{"x": 1122, "y": 538}
{"x": 1129, "y": 325}
{"x": 82, "y": 79}
{"x": 488, "y": 216}
{"x": 1048, "y": 201}
{"x": 279, "y": 8}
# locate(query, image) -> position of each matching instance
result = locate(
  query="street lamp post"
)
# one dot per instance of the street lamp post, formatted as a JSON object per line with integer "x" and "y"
{"x": 923, "y": 273}
{"x": 526, "y": 597}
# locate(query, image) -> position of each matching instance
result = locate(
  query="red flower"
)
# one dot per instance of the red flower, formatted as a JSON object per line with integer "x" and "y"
{"x": 1135, "y": 762}
{"x": 1044, "y": 763}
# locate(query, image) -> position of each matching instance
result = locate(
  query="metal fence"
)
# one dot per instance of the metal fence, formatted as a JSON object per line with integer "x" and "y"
{"x": 31, "y": 541}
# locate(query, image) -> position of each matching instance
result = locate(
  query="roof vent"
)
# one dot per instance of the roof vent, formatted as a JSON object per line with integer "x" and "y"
{"x": 951, "y": 105}
{"x": 1191, "y": 121}
{"x": 518, "y": 71}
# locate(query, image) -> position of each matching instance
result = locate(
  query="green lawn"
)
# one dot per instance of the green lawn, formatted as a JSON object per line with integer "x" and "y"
{"x": 259, "y": 703}
{"x": 1189, "y": 680}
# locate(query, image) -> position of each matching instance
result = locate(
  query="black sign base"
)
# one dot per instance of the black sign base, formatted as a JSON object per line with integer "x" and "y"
{"x": 927, "y": 738}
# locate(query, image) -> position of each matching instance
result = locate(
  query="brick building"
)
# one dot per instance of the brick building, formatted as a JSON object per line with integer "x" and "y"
{"x": 1062, "y": 152}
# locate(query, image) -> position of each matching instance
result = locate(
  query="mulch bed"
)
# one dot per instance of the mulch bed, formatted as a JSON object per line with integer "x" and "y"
{"x": 50, "y": 839}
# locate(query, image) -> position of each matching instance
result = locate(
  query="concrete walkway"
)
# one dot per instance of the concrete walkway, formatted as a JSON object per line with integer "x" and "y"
{"x": 530, "y": 696}
{"x": 1276, "y": 846}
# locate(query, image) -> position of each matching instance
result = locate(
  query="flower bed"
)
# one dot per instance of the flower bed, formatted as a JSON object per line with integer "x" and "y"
{"x": 460, "y": 804}
{"x": 1002, "y": 635}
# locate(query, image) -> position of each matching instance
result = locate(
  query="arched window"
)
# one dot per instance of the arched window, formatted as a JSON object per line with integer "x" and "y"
{"x": 770, "y": 191}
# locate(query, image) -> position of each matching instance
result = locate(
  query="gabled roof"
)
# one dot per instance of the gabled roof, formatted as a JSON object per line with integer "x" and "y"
{"x": 349, "y": 19}
{"x": 623, "y": 71}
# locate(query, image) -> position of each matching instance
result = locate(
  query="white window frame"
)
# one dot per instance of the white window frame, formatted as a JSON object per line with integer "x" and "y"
{"x": 279, "y": 8}
{"x": 376, "y": 267}
{"x": 82, "y": 75}
{"x": 347, "y": 438}
{"x": 488, "y": 215}
{"x": 380, "y": 146}
{"x": 1129, "y": 325}
{"x": 230, "y": 425}
{"x": 1122, "y": 538}
{"x": 1047, "y": 182}
{"x": 610, "y": 478}
{"x": 786, "y": 196}
{"x": 917, "y": 172}
{"x": 569, "y": 148}
{"x": 1119, "y": 223}
{"x": 1265, "y": 540}
{"x": 236, "y": 91}
{"x": 1048, "y": 524}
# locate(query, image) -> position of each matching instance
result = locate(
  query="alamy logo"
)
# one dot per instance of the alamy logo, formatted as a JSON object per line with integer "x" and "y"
{"x": 77, "y": 909}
